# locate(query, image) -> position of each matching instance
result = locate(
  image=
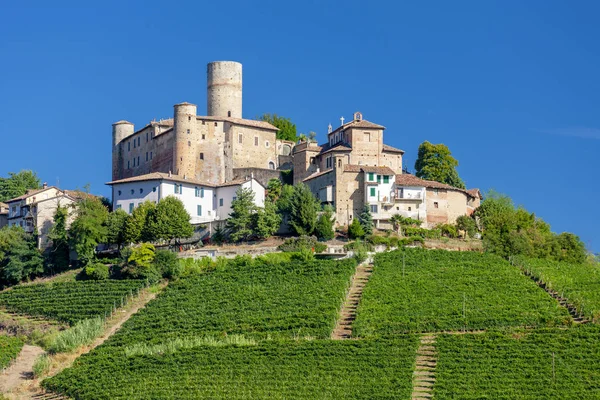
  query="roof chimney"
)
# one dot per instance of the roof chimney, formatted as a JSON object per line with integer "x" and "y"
{"x": 45, "y": 185}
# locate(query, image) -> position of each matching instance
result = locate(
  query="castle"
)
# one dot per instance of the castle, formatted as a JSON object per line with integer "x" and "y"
{"x": 190, "y": 155}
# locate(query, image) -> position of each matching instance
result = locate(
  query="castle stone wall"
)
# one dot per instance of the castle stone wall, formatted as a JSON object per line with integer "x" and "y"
{"x": 224, "y": 89}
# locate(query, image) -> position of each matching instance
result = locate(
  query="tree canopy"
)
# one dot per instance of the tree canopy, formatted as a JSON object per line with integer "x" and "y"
{"x": 17, "y": 184}
{"x": 88, "y": 229}
{"x": 287, "y": 129}
{"x": 435, "y": 163}
{"x": 303, "y": 210}
{"x": 169, "y": 220}
{"x": 19, "y": 257}
{"x": 240, "y": 222}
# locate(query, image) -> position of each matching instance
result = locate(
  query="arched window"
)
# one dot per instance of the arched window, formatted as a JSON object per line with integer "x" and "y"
{"x": 271, "y": 165}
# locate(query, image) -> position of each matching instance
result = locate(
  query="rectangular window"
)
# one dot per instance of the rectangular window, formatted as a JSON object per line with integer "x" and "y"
{"x": 188, "y": 131}
{"x": 203, "y": 136}
{"x": 130, "y": 208}
{"x": 371, "y": 176}
{"x": 386, "y": 179}
{"x": 178, "y": 189}
{"x": 240, "y": 138}
{"x": 220, "y": 202}
{"x": 378, "y": 178}
{"x": 128, "y": 146}
{"x": 147, "y": 137}
{"x": 202, "y": 192}
{"x": 128, "y": 165}
{"x": 197, "y": 192}
{"x": 202, "y": 156}
{"x": 134, "y": 143}
{"x": 374, "y": 208}
{"x": 372, "y": 192}
{"x": 436, "y": 205}
{"x": 150, "y": 155}
{"x": 256, "y": 140}
{"x": 118, "y": 206}
{"x": 199, "y": 210}
{"x": 146, "y": 156}
{"x": 139, "y": 138}
{"x": 138, "y": 163}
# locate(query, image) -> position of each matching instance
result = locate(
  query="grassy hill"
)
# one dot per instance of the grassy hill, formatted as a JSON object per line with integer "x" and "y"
{"x": 260, "y": 329}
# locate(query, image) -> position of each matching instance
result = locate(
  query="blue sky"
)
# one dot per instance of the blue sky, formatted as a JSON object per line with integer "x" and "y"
{"x": 511, "y": 87}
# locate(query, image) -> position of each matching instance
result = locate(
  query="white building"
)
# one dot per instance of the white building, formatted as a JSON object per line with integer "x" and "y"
{"x": 205, "y": 202}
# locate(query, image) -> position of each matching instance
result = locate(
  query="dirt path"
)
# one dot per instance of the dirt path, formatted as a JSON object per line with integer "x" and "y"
{"x": 343, "y": 326}
{"x": 424, "y": 374}
{"x": 21, "y": 369}
{"x": 29, "y": 388}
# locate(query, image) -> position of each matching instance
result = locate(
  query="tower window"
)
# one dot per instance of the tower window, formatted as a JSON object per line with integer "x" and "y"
{"x": 216, "y": 124}
{"x": 188, "y": 131}
{"x": 146, "y": 137}
{"x": 189, "y": 143}
{"x": 256, "y": 140}
{"x": 141, "y": 190}
{"x": 267, "y": 144}
{"x": 151, "y": 155}
{"x": 229, "y": 113}
{"x": 203, "y": 136}
{"x": 119, "y": 192}
{"x": 139, "y": 140}
{"x": 436, "y": 205}
{"x": 240, "y": 138}
{"x": 189, "y": 118}
{"x": 146, "y": 156}
{"x": 128, "y": 146}
{"x": 202, "y": 156}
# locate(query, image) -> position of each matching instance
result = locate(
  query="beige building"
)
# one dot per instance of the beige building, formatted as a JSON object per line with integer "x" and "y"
{"x": 355, "y": 168}
{"x": 34, "y": 211}
{"x": 216, "y": 148}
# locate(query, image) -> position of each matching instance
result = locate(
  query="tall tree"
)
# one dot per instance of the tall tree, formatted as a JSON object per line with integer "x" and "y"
{"x": 287, "y": 129}
{"x": 17, "y": 184}
{"x": 19, "y": 257}
{"x": 115, "y": 225}
{"x": 240, "y": 222}
{"x": 266, "y": 220}
{"x": 435, "y": 163}
{"x": 303, "y": 210}
{"x": 59, "y": 251}
{"x": 366, "y": 220}
{"x": 88, "y": 229}
{"x": 136, "y": 224}
{"x": 274, "y": 188}
{"x": 324, "y": 228}
{"x": 169, "y": 220}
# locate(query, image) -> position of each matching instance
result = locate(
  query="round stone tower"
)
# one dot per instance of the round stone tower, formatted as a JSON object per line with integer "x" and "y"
{"x": 224, "y": 89}
{"x": 184, "y": 125}
{"x": 120, "y": 130}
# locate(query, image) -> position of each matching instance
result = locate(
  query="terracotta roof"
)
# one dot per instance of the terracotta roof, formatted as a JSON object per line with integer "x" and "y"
{"x": 78, "y": 194}
{"x": 358, "y": 124}
{"x": 475, "y": 193}
{"x": 236, "y": 182}
{"x": 317, "y": 174}
{"x": 367, "y": 168}
{"x": 241, "y": 121}
{"x": 336, "y": 147}
{"x": 31, "y": 192}
{"x": 391, "y": 149}
{"x": 411, "y": 180}
{"x": 160, "y": 176}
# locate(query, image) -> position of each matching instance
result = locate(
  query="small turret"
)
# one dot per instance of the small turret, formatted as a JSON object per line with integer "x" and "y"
{"x": 120, "y": 130}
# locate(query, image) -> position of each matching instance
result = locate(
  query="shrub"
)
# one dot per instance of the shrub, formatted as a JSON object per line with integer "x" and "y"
{"x": 41, "y": 365}
{"x": 167, "y": 264}
{"x": 324, "y": 227}
{"x": 467, "y": 224}
{"x": 84, "y": 332}
{"x": 303, "y": 255}
{"x": 449, "y": 230}
{"x": 140, "y": 264}
{"x": 95, "y": 272}
{"x": 191, "y": 266}
{"x": 294, "y": 245}
{"x": 355, "y": 230}
{"x": 378, "y": 240}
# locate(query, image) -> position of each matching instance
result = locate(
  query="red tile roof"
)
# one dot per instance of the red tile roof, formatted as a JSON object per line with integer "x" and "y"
{"x": 391, "y": 149}
{"x": 367, "y": 168}
{"x": 161, "y": 176}
{"x": 241, "y": 121}
{"x": 31, "y": 192}
{"x": 412, "y": 180}
{"x": 317, "y": 174}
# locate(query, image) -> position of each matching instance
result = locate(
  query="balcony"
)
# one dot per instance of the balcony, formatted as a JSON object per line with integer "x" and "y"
{"x": 400, "y": 196}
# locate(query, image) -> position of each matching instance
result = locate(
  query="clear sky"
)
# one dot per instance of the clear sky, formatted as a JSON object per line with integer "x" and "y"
{"x": 512, "y": 87}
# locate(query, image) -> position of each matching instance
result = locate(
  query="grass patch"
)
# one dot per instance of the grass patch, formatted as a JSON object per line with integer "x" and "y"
{"x": 84, "y": 332}
{"x": 174, "y": 345}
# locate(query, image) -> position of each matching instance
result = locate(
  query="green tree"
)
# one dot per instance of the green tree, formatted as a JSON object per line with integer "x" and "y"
{"x": 240, "y": 222}
{"x": 303, "y": 210}
{"x": 136, "y": 225}
{"x": 287, "y": 129}
{"x": 355, "y": 230}
{"x": 569, "y": 248}
{"x": 467, "y": 224}
{"x": 366, "y": 220}
{"x": 398, "y": 222}
{"x": 58, "y": 259}
{"x": 274, "y": 188}
{"x": 140, "y": 263}
{"x": 266, "y": 220}
{"x": 324, "y": 228}
{"x": 19, "y": 257}
{"x": 169, "y": 220}
{"x": 435, "y": 163}
{"x": 284, "y": 202}
{"x": 88, "y": 228}
{"x": 115, "y": 226}
{"x": 17, "y": 184}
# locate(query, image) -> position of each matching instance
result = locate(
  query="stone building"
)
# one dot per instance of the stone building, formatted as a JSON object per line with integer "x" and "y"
{"x": 355, "y": 168}
{"x": 3, "y": 215}
{"x": 215, "y": 148}
{"x": 34, "y": 211}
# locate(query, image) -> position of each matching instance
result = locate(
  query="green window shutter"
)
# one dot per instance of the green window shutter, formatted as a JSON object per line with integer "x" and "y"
{"x": 201, "y": 192}
{"x": 378, "y": 178}
{"x": 386, "y": 179}
{"x": 372, "y": 191}
{"x": 371, "y": 176}
{"x": 176, "y": 187}
{"x": 199, "y": 211}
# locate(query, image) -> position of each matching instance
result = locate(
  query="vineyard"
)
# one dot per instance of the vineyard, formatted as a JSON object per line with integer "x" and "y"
{"x": 435, "y": 290}
{"x": 578, "y": 283}
{"x": 9, "y": 349}
{"x": 539, "y": 364}
{"x": 256, "y": 299}
{"x": 318, "y": 369}
{"x": 70, "y": 301}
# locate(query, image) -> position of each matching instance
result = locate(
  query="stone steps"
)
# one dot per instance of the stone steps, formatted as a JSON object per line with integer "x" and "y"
{"x": 424, "y": 373}
{"x": 343, "y": 328}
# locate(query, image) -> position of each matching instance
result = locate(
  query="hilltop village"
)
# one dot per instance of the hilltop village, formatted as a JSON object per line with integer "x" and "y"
{"x": 204, "y": 159}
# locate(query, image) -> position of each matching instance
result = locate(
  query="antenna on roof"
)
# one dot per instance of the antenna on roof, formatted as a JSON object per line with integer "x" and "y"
{"x": 329, "y": 128}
